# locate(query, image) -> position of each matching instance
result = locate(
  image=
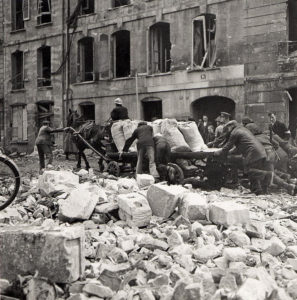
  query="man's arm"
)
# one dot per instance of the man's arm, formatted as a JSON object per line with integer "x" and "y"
{"x": 130, "y": 141}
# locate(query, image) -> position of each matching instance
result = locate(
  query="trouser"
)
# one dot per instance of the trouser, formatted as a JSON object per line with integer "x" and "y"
{"x": 42, "y": 151}
{"x": 260, "y": 176}
{"x": 150, "y": 152}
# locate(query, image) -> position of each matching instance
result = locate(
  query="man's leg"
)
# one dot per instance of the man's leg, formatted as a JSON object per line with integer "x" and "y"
{"x": 140, "y": 156}
{"x": 41, "y": 156}
{"x": 152, "y": 166}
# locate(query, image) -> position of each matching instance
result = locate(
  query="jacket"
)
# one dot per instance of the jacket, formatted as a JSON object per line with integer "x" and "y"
{"x": 247, "y": 144}
{"x": 144, "y": 135}
{"x": 119, "y": 113}
{"x": 280, "y": 129}
{"x": 203, "y": 129}
{"x": 44, "y": 135}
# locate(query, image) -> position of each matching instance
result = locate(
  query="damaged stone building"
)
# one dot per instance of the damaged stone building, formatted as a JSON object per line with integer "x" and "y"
{"x": 164, "y": 58}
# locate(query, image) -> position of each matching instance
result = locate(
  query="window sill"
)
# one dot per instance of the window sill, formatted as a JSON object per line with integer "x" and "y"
{"x": 18, "y": 91}
{"x": 44, "y": 25}
{"x": 84, "y": 82}
{"x": 159, "y": 74}
{"x": 113, "y": 8}
{"x": 86, "y": 15}
{"x": 17, "y": 31}
{"x": 123, "y": 78}
{"x": 19, "y": 142}
{"x": 42, "y": 88}
{"x": 203, "y": 69}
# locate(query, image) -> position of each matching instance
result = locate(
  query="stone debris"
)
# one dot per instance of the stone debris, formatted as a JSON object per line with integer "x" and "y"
{"x": 81, "y": 236}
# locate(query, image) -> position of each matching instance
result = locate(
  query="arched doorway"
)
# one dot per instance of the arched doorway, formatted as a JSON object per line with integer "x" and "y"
{"x": 152, "y": 108}
{"x": 87, "y": 110}
{"x": 211, "y": 106}
{"x": 293, "y": 111}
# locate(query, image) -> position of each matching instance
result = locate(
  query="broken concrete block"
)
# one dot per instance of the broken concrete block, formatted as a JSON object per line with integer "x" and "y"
{"x": 174, "y": 239}
{"x": 239, "y": 238}
{"x": 105, "y": 208}
{"x": 146, "y": 295}
{"x": 293, "y": 250}
{"x": 183, "y": 290}
{"x": 134, "y": 209}
{"x": 57, "y": 181}
{"x": 207, "y": 252}
{"x": 96, "y": 289}
{"x": 163, "y": 199}
{"x": 228, "y": 213}
{"x": 126, "y": 245}
{"x": 256, "y": 229}
{"x": 275, "y": 247}
{"x": 251, "y": 289}
{"x": 144, "y": 180}
{"x": 235, "y": 254}
{"x": 292, "y": 288}
{"x": 193, "y": 206}
{"x": 152, "y": 244}
{"x": 56, "y": 254}
{"x": 284, "y": 234}
{"x": 79, "y": 296}
{"x": 80, "y": 203}
{"x": 228, "y": 282}
{"x": 36, "y": 287}
{"x": 118, "y": 255}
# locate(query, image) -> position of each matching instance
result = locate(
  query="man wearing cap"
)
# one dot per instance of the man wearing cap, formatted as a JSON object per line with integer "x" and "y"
{"x": 246, "y": 120}
{"x": 203, "y": 128}
{"x": 145, "y": 145}
{"x": 120, "y": 112}
{"x": 278, "y": 127}
{"x": 220, "y": 134}
{"x": 44, "y": 142}
{"x": 254, "y": 155}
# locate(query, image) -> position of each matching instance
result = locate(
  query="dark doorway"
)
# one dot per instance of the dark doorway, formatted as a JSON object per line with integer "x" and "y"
{"x": 293, "y": 111}
{"x": 87, "y": 110}
{"x": 121, "y": 53}
{"x": 152, "y": 108}
{"x": 211, "y": 106}
{"x": 292, "y": 19}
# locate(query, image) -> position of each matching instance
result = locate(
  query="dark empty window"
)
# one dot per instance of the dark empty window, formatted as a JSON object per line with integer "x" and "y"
{"x": 17, "y": 70}
{"x": 44, "y": 66}
{"x": 87, "y": 111}
{"x": 17, "y": 14}
{"x": 292, "y": 21}
{"x": 44, "y": 12}
{"x": 85, "y": 60}
{"x": 160, "y": 46}
{"x": 117, "y": 3}
{"x": 87, "y": 7}
{"x": 121, "y": 53}
{"x": 204, "y": 50}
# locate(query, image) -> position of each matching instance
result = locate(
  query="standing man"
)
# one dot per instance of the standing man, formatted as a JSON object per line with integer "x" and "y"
{"x": 44, "y": 143}
{"x": 278, "y": 127}
{"x": 220, "y": 134}
{"x": 145, "y": 145}
{"x": 254, "y": 155}
{"x": 120, "y": 112}
{"x": 203, "y": 128}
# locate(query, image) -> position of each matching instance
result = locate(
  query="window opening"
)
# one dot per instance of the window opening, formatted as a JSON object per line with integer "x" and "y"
{"x": 121, "y": 53}
{"x": 292, "y": 28}
{"x": 85, "y": 60}
{"x": 117, "y": 3}
{"x": 204, "y": 46}
{"x": 45, "y": 111}
{"x": 152, "y": 108}
{"x": 44, "y": 12}
{"x": 17, "y": 14}
{"x": 104, "y": 62}
{"x": 160, "y": 48}
{"x": 44, "y": 66}
{"x": 88, "y": 111}
{"x": 19, "y": 123}
{"x": 17, "y": 65}
{"x": 87, "y": 7}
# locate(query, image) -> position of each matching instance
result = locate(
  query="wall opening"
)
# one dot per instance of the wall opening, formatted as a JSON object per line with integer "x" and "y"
{"x": 152, "y": 108}
{"x": 17, "y": 70}
{"x": 117, "y": 3}
{"x": 87, "y": 7}
{"x": 85, "y": 60}
{"x": 44, "y": 66}
{"x": 293, "y": 111}
{"x": 45, "y": 111}
{"x": 292, "y": 20}
{"x": 212, "y": 106}
{"x": 17, "y": 15}
{"x": 44, "y": 12}
{"x": 160, "y": 47}
{"x": 19, "y": 122}
{"x": 87, "y": 110}
{"x": 121, "y": 53}
{"x": 204, "y": 48}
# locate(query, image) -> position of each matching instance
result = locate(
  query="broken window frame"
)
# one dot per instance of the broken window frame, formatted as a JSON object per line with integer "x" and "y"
{"x": 44, "y": 16}
{"x": 209, "y": 49}
{"x": 17, "y": 70}
{"x": 119, "y": 3}
{"x": 82, "y": 75}
{"x": 87, "y": 7}
{"x": 159, "y": 63}
{"x": 43, "y": 69}
{"x": 44, "y": 111}
{"x": 19, "y": 123}
{"x": 17, "y": 17}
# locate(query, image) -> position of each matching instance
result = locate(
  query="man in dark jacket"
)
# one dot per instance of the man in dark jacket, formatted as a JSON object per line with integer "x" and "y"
{"x": 44, "y": 143}
{"x": 120, "y": 112}
{"x": 253, "y": 153}
{"x": 203, "y": 129}
{"x": 145, "y": 145}
{"x": 278, "y": 127}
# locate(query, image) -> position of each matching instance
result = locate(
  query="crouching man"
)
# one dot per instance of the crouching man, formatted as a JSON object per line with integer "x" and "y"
{"x": 145, "y": 145}
{"x": 254, "y": 156}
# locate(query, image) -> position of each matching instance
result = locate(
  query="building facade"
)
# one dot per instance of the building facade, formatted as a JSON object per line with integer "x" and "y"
{"x": 164, "y": 58}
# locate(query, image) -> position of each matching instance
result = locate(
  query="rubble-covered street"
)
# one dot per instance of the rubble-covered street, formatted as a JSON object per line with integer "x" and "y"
{"x": 85, "y": 235}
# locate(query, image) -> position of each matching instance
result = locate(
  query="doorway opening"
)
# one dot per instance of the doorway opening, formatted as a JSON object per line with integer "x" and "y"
{"x": 87, "y": 110}
{"x": 152, "y": 109}
{"x": 293, "y": 111}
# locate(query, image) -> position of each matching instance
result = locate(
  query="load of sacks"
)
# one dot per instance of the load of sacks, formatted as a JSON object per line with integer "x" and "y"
{"x": 181, "y": 136}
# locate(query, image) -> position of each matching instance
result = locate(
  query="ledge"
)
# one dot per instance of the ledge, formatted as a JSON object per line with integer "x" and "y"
{"x": 44, "y": 25}
{"x": 19, "y": 142}
{"x": 86, "y": 15}
{"x": 84, "y": 82}
{"x": 158, "y": 74}
{"x": 18, "y": 91}
{"x": 118, "y": 7}
{"x": 44, "y": 88}
{"x": 203, "y": 70}
{"x": 18, "y": 31}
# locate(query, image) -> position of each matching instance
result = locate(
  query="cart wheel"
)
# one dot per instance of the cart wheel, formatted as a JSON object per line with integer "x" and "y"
{"x": 113, "y": 168}
{"x": 178, "y": 175}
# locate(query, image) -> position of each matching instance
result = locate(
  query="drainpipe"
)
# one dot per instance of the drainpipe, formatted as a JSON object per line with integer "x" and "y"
{"x": 67, "y": 66}
{"x": 63, "y": 55}
{"x": 137, "y": 97}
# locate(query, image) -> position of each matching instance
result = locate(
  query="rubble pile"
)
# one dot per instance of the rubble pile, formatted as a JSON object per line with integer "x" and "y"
{"x": 81, "y": 236}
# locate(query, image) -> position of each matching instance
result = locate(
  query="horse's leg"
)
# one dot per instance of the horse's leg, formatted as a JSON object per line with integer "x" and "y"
{"x": 100, "y": 163}
{"x": 85, "y": 159}
{"x": 79, "y": 154}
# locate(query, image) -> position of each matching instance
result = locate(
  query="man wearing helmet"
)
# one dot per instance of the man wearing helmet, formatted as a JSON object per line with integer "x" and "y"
{"x": 120, "y": 112}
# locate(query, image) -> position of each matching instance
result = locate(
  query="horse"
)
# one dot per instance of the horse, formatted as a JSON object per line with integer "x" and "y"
{"x": 91, "y": 132}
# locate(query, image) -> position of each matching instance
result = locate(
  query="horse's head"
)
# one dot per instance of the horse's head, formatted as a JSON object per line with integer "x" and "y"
{"x": 74, "y": 119}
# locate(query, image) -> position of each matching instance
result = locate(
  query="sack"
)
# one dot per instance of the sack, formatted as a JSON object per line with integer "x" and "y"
{"x": 156, "y": 126}
{"x": 172, "y": 135}
{"x": 118, "y": 136}
{"x": 192, "y": 136}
